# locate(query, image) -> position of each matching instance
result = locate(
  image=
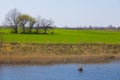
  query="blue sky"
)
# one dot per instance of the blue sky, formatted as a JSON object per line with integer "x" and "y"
{"x": 68, "y": 12}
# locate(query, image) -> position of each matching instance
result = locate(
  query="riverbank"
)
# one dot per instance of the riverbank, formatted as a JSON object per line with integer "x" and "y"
{"x": 19, "y": 53}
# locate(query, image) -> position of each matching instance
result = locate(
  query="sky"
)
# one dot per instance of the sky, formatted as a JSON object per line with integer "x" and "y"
{"x": 71, "y": 13}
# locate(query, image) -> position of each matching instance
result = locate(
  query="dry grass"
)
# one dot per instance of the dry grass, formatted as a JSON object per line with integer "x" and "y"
{"x": 57, "y": 53}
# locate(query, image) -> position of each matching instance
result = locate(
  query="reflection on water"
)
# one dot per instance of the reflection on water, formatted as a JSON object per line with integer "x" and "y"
{"x": 108, "y": 71}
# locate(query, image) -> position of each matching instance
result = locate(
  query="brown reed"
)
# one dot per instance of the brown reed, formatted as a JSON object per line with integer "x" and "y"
{"x": 13, "y": 53}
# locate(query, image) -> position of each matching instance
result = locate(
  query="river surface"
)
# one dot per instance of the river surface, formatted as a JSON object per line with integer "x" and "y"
{"x": 104, "y": 71}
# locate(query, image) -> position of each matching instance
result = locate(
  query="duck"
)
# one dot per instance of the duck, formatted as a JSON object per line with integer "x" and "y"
{"x": 80, "y": 69}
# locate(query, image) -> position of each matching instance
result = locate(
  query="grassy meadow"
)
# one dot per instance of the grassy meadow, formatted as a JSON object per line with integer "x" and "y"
{"x": 64, "y": 36}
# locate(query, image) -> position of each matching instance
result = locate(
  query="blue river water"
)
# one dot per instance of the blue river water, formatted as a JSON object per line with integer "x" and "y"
{"x": 104, "y": 71}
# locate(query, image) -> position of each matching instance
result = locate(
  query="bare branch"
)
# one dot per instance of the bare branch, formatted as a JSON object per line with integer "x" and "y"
{"x": 12, "y": 19}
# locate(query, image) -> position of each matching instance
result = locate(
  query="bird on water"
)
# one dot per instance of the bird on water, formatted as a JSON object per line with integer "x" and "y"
{"x": 80, "y": 69}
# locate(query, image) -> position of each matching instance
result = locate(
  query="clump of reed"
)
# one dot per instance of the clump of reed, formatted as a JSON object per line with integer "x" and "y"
{"x": 13, "y": 53}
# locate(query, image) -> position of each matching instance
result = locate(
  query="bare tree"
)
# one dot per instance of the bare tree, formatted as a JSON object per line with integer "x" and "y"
{"x": 38, "y": 23}
{"x": 45, "y": 24}
{"x": 12, "y": 19}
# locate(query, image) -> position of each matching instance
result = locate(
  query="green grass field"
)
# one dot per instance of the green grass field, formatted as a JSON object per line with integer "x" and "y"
{"x": 65, "y": 36}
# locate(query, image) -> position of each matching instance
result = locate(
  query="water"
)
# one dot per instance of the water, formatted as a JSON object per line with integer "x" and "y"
{"x": 106, "y": 71}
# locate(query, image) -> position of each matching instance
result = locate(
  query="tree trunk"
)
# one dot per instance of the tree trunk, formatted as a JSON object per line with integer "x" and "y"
{"x": 37, "y": 30}
{"x": 23, "y": 28}
{"x": 15, "y": 29}
{"x": 45, "y": 30}
{"x": 30, "y": 30}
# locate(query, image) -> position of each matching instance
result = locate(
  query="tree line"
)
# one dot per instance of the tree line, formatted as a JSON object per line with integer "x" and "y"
{"x": 17, "y": 20}
{"x": 109, "y": 27}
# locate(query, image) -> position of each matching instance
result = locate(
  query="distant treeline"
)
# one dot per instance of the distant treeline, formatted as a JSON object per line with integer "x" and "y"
{"x": 94, "y": 28}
